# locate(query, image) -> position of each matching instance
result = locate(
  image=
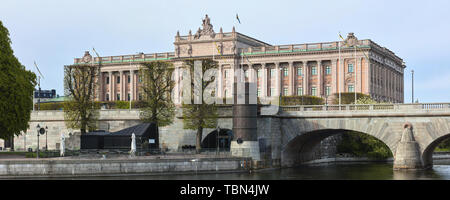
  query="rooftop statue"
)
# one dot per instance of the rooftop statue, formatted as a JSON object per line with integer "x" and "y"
{"x": 207, "y": 29}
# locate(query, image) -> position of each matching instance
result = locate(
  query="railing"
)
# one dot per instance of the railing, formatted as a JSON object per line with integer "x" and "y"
{"x": 300, "y": 47}
{"x": 425, "y": 106}
{"x": 130, "y": 58}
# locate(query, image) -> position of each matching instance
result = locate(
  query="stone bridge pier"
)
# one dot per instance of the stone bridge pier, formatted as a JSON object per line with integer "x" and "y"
{"x": 411, "y": 133}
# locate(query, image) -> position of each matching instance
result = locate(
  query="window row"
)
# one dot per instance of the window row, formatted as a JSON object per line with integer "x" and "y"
{"x": 118, "y": 79}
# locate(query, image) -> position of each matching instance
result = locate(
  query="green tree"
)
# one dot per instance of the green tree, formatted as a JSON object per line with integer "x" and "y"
{"x": 202, "y": 115}
{"x": 80, "y": 110}
{"x": 157, "y": 86}
{"x": 363, "y": 145}
{"x": 16, "y": 90}
{"x": 360, "y": 144}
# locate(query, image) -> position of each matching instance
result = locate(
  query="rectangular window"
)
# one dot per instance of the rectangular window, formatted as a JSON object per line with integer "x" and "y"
{"x": 118, "y": 79}
{"x": 300, "y": 91}
{"x": 313, "y": 91}
{"x": 327, "y": 70}
{"x": 140, "y": 96}
{"x": 107, "y": 97}
{"x": 107, "y": 80}
{"x": 259, "y": 92}
{"x": 246, "y": 73}
{"x": 225, "y": 74}
{"x": 285, "y": 71}
{"x": 129, "y": 79}
{"x": 259, "y": 73}
{"x": 118, "y": 97}
{"x": 350, "y": 88}
{"x": 350, "y": 68}
{"x": 327, "y": 90}
{"x": 285, "y": 91}
{"x": 314, "y": 70}
{"x": 299, "y": 71}
{"x": 129, "y": 96}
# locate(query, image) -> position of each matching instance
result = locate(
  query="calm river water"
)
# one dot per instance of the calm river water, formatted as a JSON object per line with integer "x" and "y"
{"x": 335, "y": 171}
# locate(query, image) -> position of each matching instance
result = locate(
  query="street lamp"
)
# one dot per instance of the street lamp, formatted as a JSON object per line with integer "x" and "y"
{"x": 218, "y": 136}
{"x": 46, "y": 144}
{"x": 37, "y": 151}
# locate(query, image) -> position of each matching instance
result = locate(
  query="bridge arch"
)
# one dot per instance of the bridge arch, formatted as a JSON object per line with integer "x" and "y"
{"x": 211, "y": 141}
{"x": 301, "y": 136}
{"x": 427, "y": 155}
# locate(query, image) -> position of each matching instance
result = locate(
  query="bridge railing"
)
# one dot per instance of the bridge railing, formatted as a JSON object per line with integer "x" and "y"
{"x": 352, "y": 107}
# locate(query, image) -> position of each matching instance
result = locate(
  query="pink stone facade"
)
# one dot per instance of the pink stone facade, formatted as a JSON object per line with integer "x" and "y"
{"x": 294, "y": 69}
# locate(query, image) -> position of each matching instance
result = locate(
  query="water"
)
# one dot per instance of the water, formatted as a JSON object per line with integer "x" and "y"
{"x": 335, "y": 171}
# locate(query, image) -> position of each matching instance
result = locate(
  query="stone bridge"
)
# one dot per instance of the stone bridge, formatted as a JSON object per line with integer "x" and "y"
{"x": 411, "y": 131}
{"x": 288, "y": 135}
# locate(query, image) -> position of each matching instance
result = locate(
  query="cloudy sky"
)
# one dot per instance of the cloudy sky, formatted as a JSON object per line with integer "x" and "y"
{"x": 53, "y": 32}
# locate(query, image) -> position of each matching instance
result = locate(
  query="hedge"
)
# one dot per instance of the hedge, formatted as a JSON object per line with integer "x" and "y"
{"x": 348, "y": 97}
{"x": 301, "y": 100}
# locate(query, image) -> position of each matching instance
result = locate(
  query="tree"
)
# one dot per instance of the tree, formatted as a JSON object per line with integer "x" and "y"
{"x": 156, "y": 88}
{"x": 16, "y": 90}
{"x": 360, "y": 144}
{"x": 202, "y": 115}
{"x": 80, "y": 110}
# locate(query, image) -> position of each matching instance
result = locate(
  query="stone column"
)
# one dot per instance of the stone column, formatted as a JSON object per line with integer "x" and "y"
{"x": 121, "y": 86}
{"x": 341, "y": 75}
{"x": 291, "y": 79}
{"x": 132, "y": 85}
{"x": 305, "y": 78}
{"x": 219, "y": 82}
{"x": 278, "y": 78}
{"x": 264, "y": 80}
{"x": 110, "y": 85}
{"x": 334, "y": 76}
{"x": 319, "y": 78}
{"x": 136, "y": 85}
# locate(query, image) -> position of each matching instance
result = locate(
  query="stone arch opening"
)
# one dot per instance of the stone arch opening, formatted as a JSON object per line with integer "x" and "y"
{"x": 304, "y": 147}
{"x": 221, "y": 140}
{"x": 427, "y": 156}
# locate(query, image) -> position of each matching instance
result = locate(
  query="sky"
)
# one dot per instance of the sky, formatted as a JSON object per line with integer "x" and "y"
{"x": 54, "y": 32}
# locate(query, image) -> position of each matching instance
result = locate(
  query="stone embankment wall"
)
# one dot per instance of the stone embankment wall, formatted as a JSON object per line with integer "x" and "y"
{"x": 49, "y": 167}
{"x": 172, "y": 137}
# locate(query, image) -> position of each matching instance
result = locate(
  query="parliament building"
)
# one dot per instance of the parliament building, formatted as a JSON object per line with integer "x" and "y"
{"x": 316, "y": 69}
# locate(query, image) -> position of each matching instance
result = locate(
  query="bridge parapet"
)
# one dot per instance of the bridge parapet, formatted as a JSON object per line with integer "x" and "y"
{"x": 353, "y": 107}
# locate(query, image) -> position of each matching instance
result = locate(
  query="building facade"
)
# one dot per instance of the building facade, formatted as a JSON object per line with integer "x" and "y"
{"x": 316, "y": 69}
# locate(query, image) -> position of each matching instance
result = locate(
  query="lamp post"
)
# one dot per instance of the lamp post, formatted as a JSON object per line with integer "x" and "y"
{"x": 218, "y": 136}
{"x": 37, "y": 151}
{"x": 46, "y": 144}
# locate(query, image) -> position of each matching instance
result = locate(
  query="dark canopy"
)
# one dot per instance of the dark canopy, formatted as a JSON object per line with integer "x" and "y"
{"x": 145, "y": 133}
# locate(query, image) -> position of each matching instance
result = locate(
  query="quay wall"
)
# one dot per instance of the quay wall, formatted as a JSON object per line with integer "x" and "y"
{"x": 77, "y": 167}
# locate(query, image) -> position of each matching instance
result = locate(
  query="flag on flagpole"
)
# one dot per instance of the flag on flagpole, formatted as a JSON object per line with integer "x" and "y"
{"x": 237, "y": 17}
